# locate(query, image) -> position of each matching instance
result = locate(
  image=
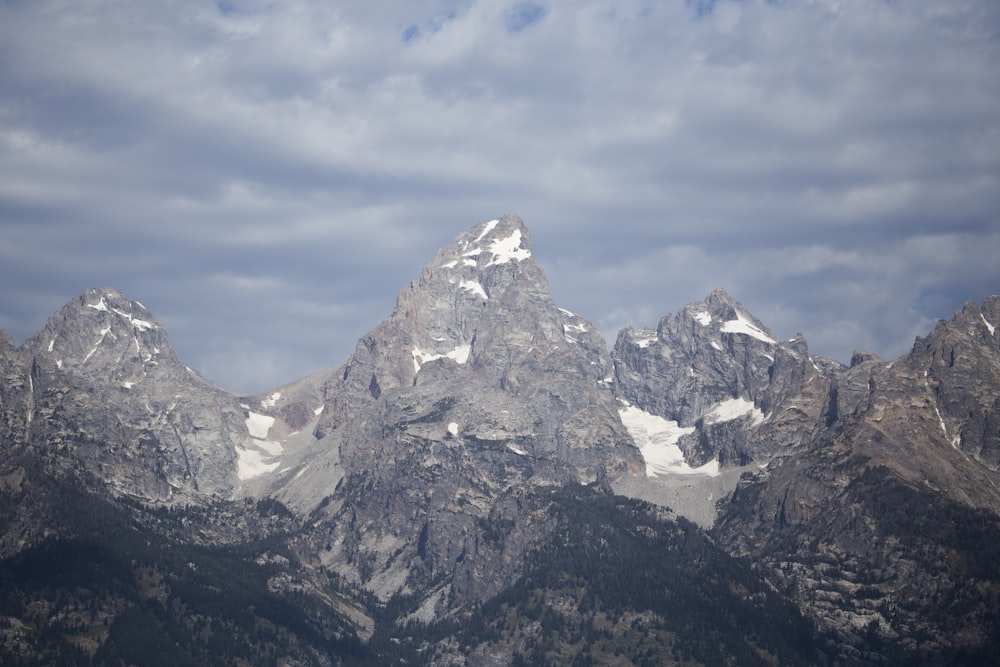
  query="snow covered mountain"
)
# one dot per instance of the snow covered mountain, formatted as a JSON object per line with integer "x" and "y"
{"x": 446, "y": 495}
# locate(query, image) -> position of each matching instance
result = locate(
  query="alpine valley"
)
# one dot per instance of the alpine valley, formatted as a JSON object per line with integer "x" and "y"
{"x": 483, "y": 483}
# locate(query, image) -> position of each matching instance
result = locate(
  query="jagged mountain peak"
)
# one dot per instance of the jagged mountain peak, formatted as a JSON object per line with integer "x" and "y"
{"x": 103, "y": 364}
{"x": 476, "y": 385}
{"x": 99, "y": 331}
{"x": 979, "y": 322}
{"x": 110, "y": 300}
{"x": 494, "y": 242}
{"x": 481, "y": 262}
{"x": 711, "y": 390}
{"x": 710, "y": 351}
{"x": 719, "y": 313}
{"x": 483, "y": 304}
{"x": 706, "y": 322}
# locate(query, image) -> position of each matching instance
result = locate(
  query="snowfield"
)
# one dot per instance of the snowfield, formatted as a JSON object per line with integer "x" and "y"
{"x": 657, "y": 439}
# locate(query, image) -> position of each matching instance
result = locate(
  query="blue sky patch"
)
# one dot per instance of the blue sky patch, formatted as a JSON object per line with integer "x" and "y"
{"x": 523, "y": 16}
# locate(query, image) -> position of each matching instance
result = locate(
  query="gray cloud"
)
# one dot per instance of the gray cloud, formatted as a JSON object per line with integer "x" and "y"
{"x": 265, "y": 176}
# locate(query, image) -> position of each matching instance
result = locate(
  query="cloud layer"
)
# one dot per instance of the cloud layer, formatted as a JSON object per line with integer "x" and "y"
{"x": 266, "y": 175}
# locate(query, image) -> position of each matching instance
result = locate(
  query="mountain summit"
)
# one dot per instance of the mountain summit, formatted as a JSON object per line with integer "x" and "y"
{"x": 475, "y": 387}
{"x": 105, "y": 392}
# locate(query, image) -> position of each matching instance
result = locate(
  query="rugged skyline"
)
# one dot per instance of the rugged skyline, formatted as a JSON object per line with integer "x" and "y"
{"x": 465, "y": 486}
{"x": 265, "y": 175}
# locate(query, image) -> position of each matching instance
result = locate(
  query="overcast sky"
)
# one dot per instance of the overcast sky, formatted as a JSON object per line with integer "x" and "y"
{"x": 265, "y": 175}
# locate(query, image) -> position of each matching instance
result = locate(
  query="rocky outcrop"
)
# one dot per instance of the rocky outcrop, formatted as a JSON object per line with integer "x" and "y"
{"x": 100, "y": 392}
{"x": 960, "y": 360}
{"x": 12, "y": 390}
{"x": 711, "y": 393}
{"x": 859, "y": 523}
{"x": 860, "y": 474}
{"x": 718, "y": 372}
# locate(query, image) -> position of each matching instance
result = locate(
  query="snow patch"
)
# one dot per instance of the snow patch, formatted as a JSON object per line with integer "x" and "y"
{"x": 734, "y": 408}
{"x": 459, "y": 355}
{"x": 52, "y": 344}
{"x": 271, "y": 400}
{"x": 643, "y": 337}
{"x": 489, "y": 227}
{"x": 516, "y": 450}
{"x": 703, "y": 318}
{"x": 251, "y": 463}
{"x": 985, "y": 321}
{"x": 258, "y": 425}
{"x": 270, "y": 446}
{"x": 954, "y": 441}
{"x": 657, "y": 440}
{"x": 259, "y": 458}
{"x": 474, "y": 287}
{"x": 453, "y": 428}
{"x": 718, "y": 347}
{"x": 318, "y": 411}
{"x": 470, "y": 262}
{"x": 449, "y": 265}
{"x": 645, "y": 342}
{"x": 141, "y": 325}
{"x": 508, "y": 249}
{"x": 100, "y": 305}
{"x": 567, "y": 312}
{"x": 741, "y": 325}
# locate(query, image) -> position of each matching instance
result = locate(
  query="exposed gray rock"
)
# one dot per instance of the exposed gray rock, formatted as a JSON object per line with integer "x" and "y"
{"x": 13, "y": 389}
{"x": 419, "y": 467}
{"x": 738, "y": 396}
{"x": 826, "y": 520}
{"x": 476, "y": 385}
{"x": 960, "y": 360}
{"x": 104, "y": 391}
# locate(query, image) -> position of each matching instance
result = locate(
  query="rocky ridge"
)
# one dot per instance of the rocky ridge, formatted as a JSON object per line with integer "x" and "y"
{"x": 819, "y": 448}
{"x": 413, "y": 483}
{"x": 712, "y": 393}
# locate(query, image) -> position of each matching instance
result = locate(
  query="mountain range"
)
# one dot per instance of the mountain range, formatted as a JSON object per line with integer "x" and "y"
{"x": 484, "y": 482}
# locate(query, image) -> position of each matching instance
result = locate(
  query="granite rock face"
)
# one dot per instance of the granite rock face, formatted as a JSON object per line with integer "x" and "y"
{"x": 961, "y": 362}
{"x": 740, "y": 395}
{"x": 99, "y": 391}
{"x": 711, "y": 393}
{"x": 844, "y": 484}
{"x": 859, "y": 522}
